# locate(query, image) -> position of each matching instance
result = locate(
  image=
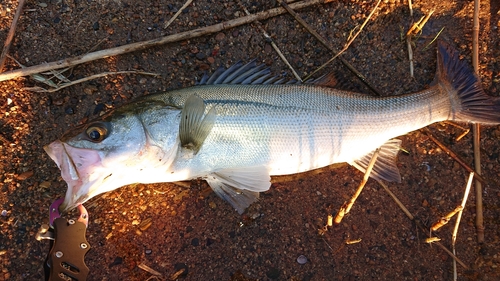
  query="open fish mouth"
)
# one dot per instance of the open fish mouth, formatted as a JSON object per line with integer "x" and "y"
{"x": 76, "y": 165}
{"x": 57, "y": 151}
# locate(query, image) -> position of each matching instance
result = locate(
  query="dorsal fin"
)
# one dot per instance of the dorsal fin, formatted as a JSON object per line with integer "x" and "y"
{"x": 253, "y": 74}
{"x": 328, "y": 80}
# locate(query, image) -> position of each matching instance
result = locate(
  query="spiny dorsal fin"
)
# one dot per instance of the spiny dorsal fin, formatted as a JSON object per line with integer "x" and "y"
{"x": 194, "y": 127}
{"x": 385, "y": 167}
{"x": 253, "y": 74}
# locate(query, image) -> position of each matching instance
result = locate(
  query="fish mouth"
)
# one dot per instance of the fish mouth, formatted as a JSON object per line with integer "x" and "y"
{"x": 77, "y": 166}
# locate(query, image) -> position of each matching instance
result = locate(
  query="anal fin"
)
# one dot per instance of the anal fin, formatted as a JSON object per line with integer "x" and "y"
{"x": 385, "y": 167}
{"x": 240, "y": 186}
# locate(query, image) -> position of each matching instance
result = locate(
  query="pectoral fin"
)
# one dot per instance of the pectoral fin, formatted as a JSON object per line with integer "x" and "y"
{"x": 240, "y": 186}
{"x": 385, "y": 167}
{"x": 194, "y": 127}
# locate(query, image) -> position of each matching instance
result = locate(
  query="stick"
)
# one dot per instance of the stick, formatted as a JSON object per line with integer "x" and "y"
{"x": 154, "y": 42}
{"x": 445, "y": 219}
{"x": 405, "y": 210}
{"x": 414, "y": 30}
{"x": 62, "y": 86}
{"x": 476, "y": 131}
{"x": 270, "y": 40}
{"x": 457, "y": 223}
{"x": 10, "y": 35}
{"x": 328, "y": 46}
{"x": 347, "y": 44}
{"x": 420, "y": 225}
{"x": 455, "y": 156}
{"x": 177, "y": 14}
{"x": 410, "y": 54}
{"x": 347, "y": 206}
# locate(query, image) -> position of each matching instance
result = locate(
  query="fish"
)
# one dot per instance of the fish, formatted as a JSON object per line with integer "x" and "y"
{"x": 241, "y": 125}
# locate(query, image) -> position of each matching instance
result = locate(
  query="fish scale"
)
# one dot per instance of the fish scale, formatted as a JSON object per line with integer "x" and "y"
{"x": 304, "y": 123}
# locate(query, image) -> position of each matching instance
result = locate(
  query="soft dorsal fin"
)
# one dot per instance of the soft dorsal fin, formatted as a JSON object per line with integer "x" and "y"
{"x": 328, "y": 80}
{"x": 385, "y": 167}
{"x": 240, "y": 186}
{"x": 194, "y": 127}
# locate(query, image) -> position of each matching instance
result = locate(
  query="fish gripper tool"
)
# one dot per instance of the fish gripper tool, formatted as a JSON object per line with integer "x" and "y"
{"x": 68, "y": 245}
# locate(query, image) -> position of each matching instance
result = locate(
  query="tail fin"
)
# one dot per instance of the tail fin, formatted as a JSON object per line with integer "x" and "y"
{"x": 473, "y": 104}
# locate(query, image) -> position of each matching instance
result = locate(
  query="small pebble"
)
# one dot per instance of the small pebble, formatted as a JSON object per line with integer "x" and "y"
{"x": 69, "y": 110}
{"x": 148, "y": 251}
{"x": 220, "y": 36}
{"x": 145, "y": 224}
{"x": 200, "y": 56}
{"x": 98, "y": 108}
{"x": 211, "y": 60}
{"x": 273, "y": 273}
{"x": 4, "y": 213}
{"x": 25, "y": 175}
{"x": 302, "y": 259}
{"x": 204, "y": 66}
{"x": 95, "y": 26}
{"x": 195, "y": 242}
{"x": 117, "y": 261}
{"x": 43, "y": 5}
{"x": 268, "y": 48}
{"x": 45, "y": 184}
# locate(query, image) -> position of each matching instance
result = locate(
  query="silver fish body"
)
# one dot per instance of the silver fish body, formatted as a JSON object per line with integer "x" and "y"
{"x": 295, "y": 128}
{"x": 237, "y": 136}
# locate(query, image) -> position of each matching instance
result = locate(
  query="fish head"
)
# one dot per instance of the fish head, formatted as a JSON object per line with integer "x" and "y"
{"x": 109, "y": 153}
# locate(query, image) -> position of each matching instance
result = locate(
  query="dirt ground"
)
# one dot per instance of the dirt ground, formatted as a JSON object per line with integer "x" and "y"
{"x": 195, "y": 230}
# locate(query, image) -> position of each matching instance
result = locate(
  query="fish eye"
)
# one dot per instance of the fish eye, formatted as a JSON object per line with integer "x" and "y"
{"x": 96, "y": 133}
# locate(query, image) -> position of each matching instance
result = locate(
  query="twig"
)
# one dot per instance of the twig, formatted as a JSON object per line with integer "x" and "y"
{"x": 466, "y": 130}
{"x": 346, "y": 46}
{"x": 410, "y": 7}
{"x": 10, "y": 35}
{"x": 347, "y": 206}
{"x": 154, "y": 42}
{"x": 420, "y": 225}
{"x": 415, "y": 29}
{"x": 270, "y": 40}
{"x": 405, "y": 210}
{"x": 476, "y": 131}
{"x": 41, "y": 78}
{"x": 454, "y": 156}
{"x": 328, "y": 46}
{"x": 433, "y": 39}
{"x": 457, "y": 223}
{"x": 410, "y": 54}
{"x": 149, "y": 269}
{"x": 188, "y": 2}
{"x": 445, "y": 219}
{"x": 62, "y": 86}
